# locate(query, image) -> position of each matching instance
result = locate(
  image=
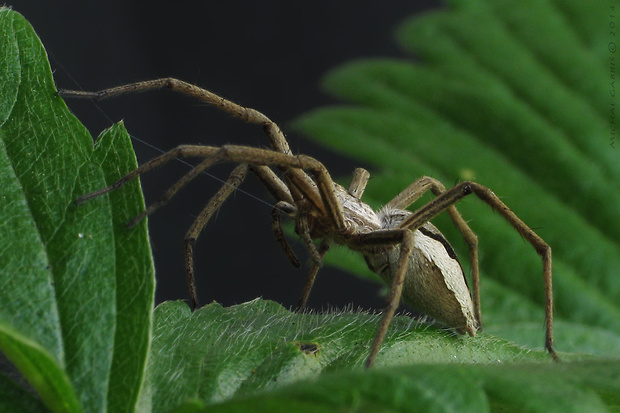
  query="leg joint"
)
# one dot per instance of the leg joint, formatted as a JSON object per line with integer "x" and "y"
{"x": 467, "y": 187}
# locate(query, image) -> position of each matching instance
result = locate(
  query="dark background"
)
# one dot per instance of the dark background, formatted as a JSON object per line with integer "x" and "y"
{"x": 266, "y": 55}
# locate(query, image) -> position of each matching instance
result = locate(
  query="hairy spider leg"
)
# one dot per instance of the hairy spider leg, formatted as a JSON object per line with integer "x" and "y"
{"x": 458, "y": 192}
{"x": 412, "y": 193}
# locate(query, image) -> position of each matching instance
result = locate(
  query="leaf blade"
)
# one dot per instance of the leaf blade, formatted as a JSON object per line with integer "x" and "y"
{"x": 66, "y": 299}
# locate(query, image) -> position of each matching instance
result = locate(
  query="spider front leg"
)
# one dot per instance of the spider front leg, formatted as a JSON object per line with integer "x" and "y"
{"x": 356, "y": 189}
{"x": 276, "y": 226}
{"x": 248, "y": 115}
{"x": 448, "y": 198}
{"x": 303, "y": 231}
{"x": 274, "y": 133}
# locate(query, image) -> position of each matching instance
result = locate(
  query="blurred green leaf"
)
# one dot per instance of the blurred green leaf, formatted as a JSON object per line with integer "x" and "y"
{"x": 445, "y": 388}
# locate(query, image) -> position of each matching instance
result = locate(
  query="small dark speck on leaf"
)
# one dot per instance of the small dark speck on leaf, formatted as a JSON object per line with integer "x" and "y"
{"x": 308, "y": 348}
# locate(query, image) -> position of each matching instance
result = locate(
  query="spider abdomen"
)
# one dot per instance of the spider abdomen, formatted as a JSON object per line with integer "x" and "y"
{"x": 434, "y": 283}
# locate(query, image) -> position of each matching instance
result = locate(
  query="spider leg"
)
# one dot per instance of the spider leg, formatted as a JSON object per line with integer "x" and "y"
{"x": 286, "y": 204}
{"x": 418, "y": 188}
{"x": 321, "y": 193}
{"x": 276, "y": 225}
{"x": 172, "y": 191}
{"x": 274, "y": 185}
{"x": 249, "y": 115}
{"x": 303, "y": 230}
{"x": 328, "y": 202}
{"x": 356, "y": 189}
{"x": 234, "y": 180}
{"x": 404, "y": 237}
{"x": 303, "y": 299}
{"x": 455, "y": 194}
{"x": 146, "y": 167}
{"x": 358, "y": 183}
{"x": 304, "y": 233}
{"x": 279, "y": 190}
{"x": 263, "y": 157}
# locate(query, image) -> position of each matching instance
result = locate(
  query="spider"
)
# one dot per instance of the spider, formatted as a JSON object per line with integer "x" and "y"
{"x": 403, "y": 247}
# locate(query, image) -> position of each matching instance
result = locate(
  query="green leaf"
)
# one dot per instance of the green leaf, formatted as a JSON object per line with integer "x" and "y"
{"x": 216, "y": 353}
{"x": 76, "y": 287}
{"x": 40, "y": 369}
{"x": 441, "y": 388}
{"x": 258, "y": 356}
{"x": 134, "y": 272}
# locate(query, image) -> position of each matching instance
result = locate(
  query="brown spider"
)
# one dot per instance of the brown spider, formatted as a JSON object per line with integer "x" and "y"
{"x": 403, "y": 247}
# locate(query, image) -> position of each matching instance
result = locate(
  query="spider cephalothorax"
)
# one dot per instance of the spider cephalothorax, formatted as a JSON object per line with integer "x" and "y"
{"x": 408, "y": 252}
